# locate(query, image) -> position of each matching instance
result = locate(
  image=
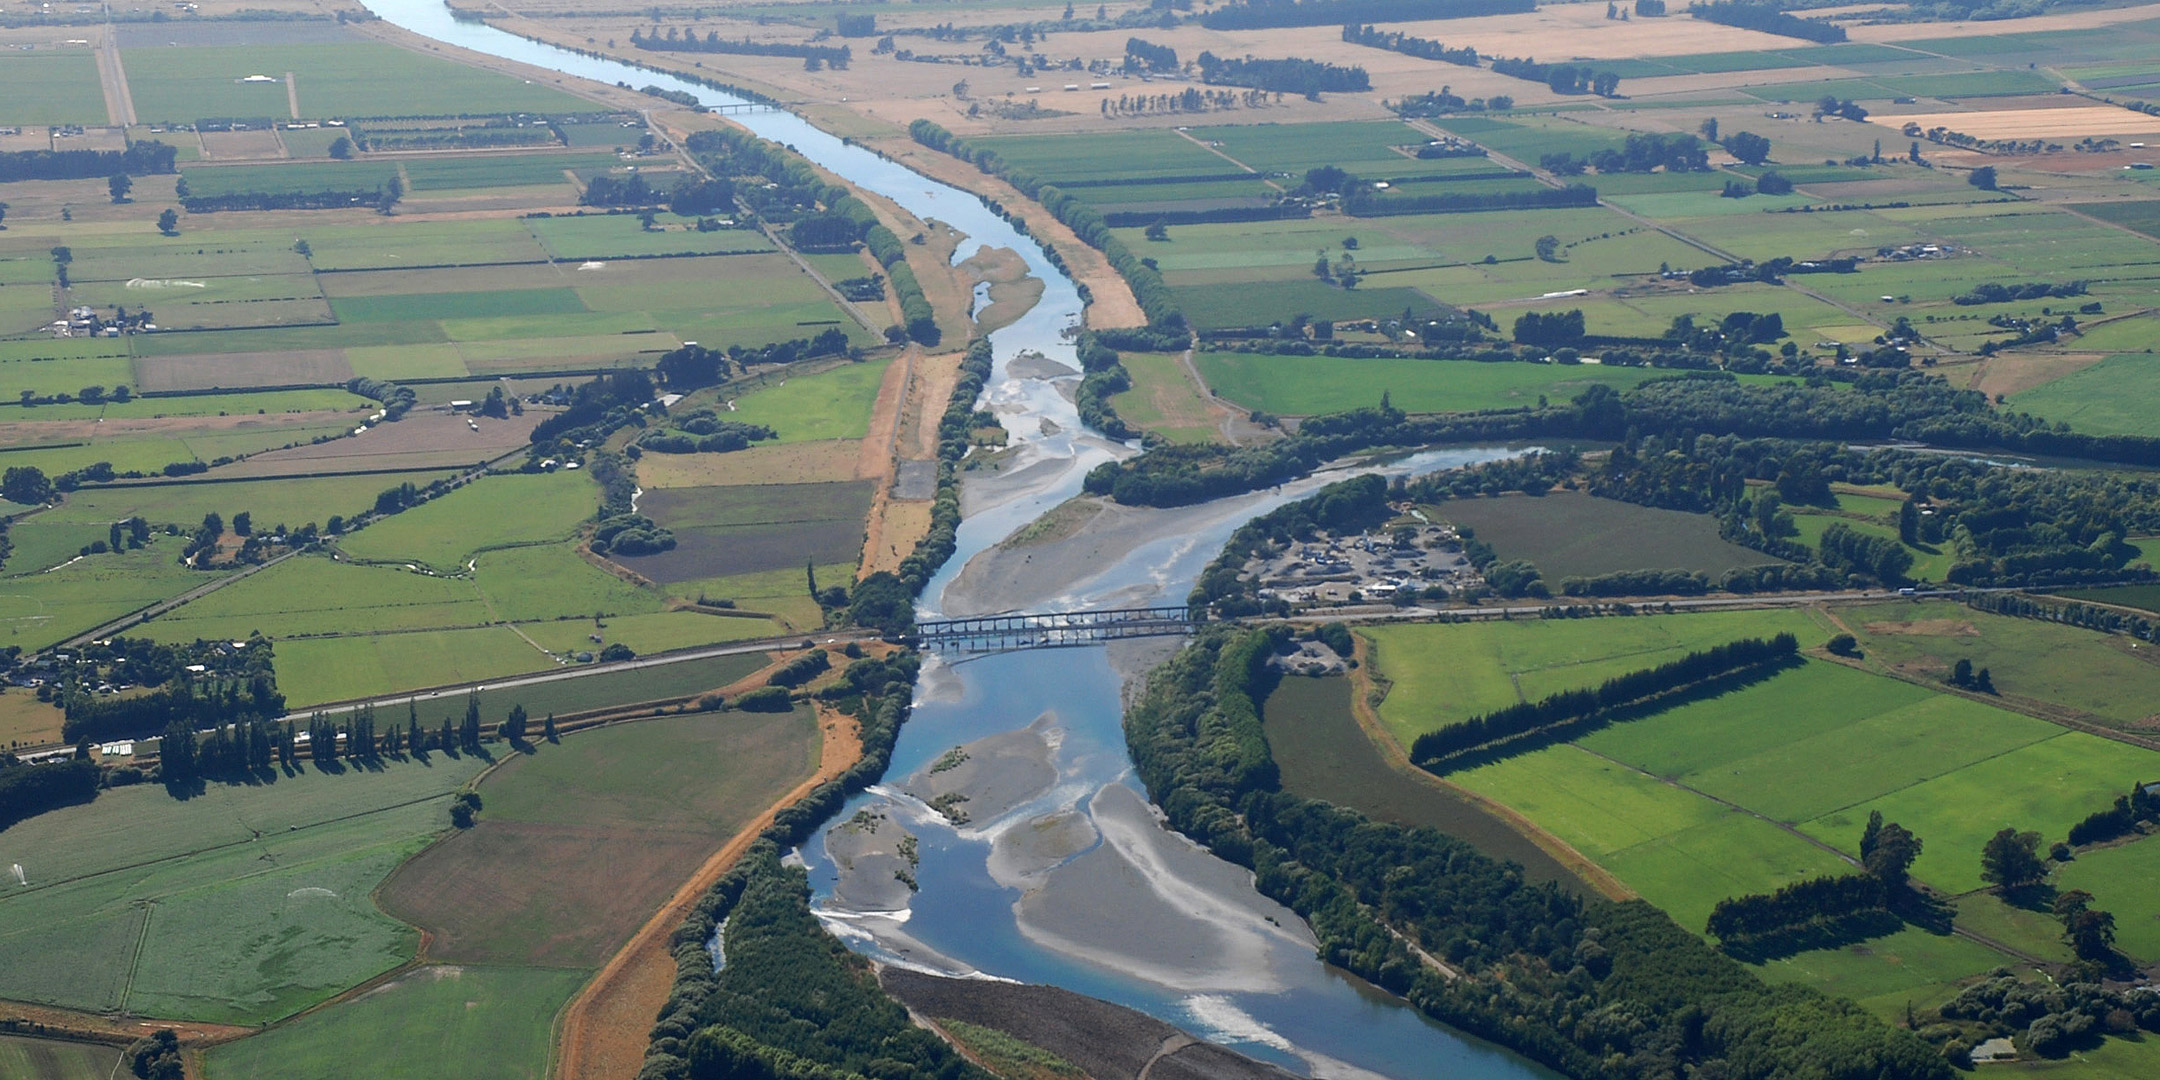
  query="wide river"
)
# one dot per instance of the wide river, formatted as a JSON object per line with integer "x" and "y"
{"x": 1126, "y": 912}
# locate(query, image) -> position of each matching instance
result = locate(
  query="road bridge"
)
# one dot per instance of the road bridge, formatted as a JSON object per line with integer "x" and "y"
{"x": 1035, "y": 630}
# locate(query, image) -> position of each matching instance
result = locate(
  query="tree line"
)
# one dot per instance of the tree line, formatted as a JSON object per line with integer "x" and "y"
{"x": 1534, "y": 968}
{"x": 1274, "y": 14}
{"x": 1561, "y": 78}
{"x": 712, "y": 42}
{"x": 1769, "y": 18}
{"x": 1569, "y": 707}
{"x": 29, "y": 790}
{"x": 1373, "y": 37}
{"x": 141, "y": 158}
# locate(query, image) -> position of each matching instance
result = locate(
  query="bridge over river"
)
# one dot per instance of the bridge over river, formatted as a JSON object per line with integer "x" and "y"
{"x": 1032, "y": 630}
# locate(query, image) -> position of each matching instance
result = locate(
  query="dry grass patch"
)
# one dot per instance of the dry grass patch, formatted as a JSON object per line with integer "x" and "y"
{"x": 794, "y": 463}
{"x": 2071, "y": 123}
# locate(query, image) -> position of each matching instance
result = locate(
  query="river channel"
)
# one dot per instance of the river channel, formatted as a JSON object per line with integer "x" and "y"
{"x": 1073, "y": 883}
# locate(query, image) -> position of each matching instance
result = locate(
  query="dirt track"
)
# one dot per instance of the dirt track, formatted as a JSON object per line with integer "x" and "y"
{"x": 604, "y": 1028}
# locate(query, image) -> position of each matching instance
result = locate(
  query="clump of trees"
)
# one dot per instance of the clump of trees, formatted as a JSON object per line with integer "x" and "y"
{"x": 1294, "y": 75}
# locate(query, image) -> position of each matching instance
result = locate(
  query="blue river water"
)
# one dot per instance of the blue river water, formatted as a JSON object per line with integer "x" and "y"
{"x": 1278, "y": 1002}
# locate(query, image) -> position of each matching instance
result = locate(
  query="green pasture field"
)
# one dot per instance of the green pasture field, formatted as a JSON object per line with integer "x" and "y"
{"x": 1108, "y": 156}
{"x": 1364, "y": 148}
{"x": 587, "y": 136}
{"x": 1680, "y": 851}
{"x": 2146, "y": 597}
{"x": 2133, "y": 1058}
{"x": 657, "y": 795}
{"x": 1569, "y": 534}
{"x": 2033, "y": 930}
{"x": 316, "y": 671}
{"x": 1258, "y": 303}
{"x": 1927, "y": 565}
{"x": 51, "y": 88}
{"x": 1529, "y": 139}
{"x": 1447, "y": 673}
{"x": 1317, "y": 385}
{"x": 304, "y": 176}
{"x": 499, "y": 170}
{"x": 832, "y": 404}
{"x": 1805, "y": 745}
{"x": 2107, "y": 398}
{"x": 269, "y": 502}
{"x": 484, "y": 1023}
{"x": 313, "y": 595}
{"x": 1206, "y": 193}
{"x": 232, "y": 883}
{"x": 1325, "y": 755}
{"x": 544, "y": 581}
{"x": 2141, "y": 216}
{"x": 52, "y": 1059}
{"x": 1883, "y": 974}
{"x": 657, "y": 632}
{"x": 2122, "y": 877}
{"x": 620, "y": 236}
{"x": 39, "y": 611}
{"x": 406, "y": 245}
{"x": 1957, "y": 85}
{"x": 780, "y": 593}
{"x": 311, "y": 142}
{"x": 499, "y": 303}
{"x": 492, "y": 512}
{"x": 2046, "y": 786}
{"x": 654, "y": 683}
{"x": 2100, "y": 678}
{"x": 189, "y": 256}
{"x": 320, "y": 399}
{"x": 35, "y": 544}
{"x": 1442, "y": 255}
{"x": 1163, "y": 400}
{"x": 189, "y": 84}
{"x": 215, "y": 303}
{"x": 151, "y": 453}
{"x": 347, "y": 79}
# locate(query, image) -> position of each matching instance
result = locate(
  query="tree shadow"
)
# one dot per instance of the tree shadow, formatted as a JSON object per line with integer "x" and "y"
{"x": 1835, "y": 933}
{"x": 1570, "y": 730}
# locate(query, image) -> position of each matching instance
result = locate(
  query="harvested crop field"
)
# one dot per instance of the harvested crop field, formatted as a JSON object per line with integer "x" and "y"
{"x": 2073, "y": 123}
{"x": 634, "y": 807}
{"x": 208, "y": 371}
{"x": 422, "y": 440}
{"x": 723, "y": 531}
{"x": 1568, "y": 534}
{"x": 795, "y": 463}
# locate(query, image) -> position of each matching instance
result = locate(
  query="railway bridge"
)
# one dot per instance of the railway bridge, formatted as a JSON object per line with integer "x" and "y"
{"x": 1035, "y": 630}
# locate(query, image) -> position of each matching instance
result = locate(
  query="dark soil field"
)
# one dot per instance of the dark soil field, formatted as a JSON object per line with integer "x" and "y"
{"x": 633, "y": 808}
{"x": 721, "y": 531}
{"x": 1325, "y": 755}
{"x": 1568, "y": 534}
{"x": 1108, "y": 1042}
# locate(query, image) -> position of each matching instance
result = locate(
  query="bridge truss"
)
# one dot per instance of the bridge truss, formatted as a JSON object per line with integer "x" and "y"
{"x": 1025, "y": 630}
